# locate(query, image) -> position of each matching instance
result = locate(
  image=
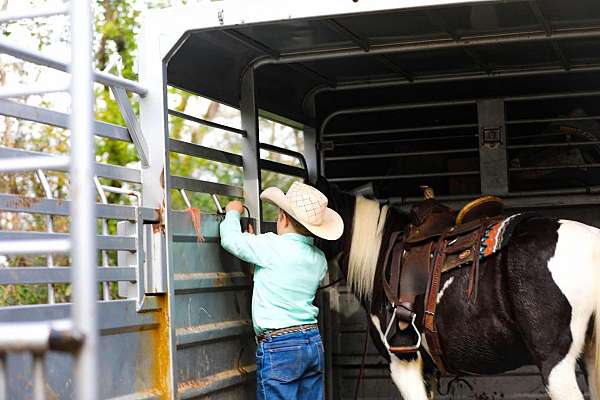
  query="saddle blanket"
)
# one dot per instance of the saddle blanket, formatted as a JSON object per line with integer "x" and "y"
{"x": 498, "y": 235}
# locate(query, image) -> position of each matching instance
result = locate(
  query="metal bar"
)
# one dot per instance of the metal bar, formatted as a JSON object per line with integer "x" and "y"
{"x": 25, "y": 246}
{"x": 268, "y": 165}
{"x": 250, "y": 147}
{"x": 37, "y": 275}
{"x": 533, "y": 198}
{"x": 125, "y": 191}
{"x": 401, "y": 154}
{"x": 560, "y": 54}
{"x": 263, "y": 48}
{"x": 493, "y": 158}
{"x": 39, "y": 337}
{"x": 545, "y": 168}
{"x": 384, "y": 60}
{"x": 252, "y": 43}
{"x": 449, "y": 103}
{"x": 547, "y": 145}
{"x": 481, "y": 63}
{"x": 317, "y": 76}
{"x": 545, "y": 120}
{"x": 206, "y": 153}
{"x": 3, "y": 376}
{"x": 104, "y": 254}
{"x": 135, "y": 131}
{"x": 49, "y": 228}
{"x": 539, "y": 15}
{"x": 217, "y": 203}
{"x": 39, "y": 58}
{"x": 545, "y": 24}
{"x": 458, "y": 77}
{"x": 39, "y": 381}
{"x": 83, "y": 213}
{"x": 39, "y": 12}
{"x": 393, "y": 107}
{"x": 111, "y": 242}
{"x": 25, "y": 164}
{"x": 287, "y": 152}
{"x": 37, "y": 205}
{"x": 348, "y": 33}
{"x": 8, "y": 155}
{"x": 398, "y": 130}
{"x": 24, "y": 91}
{"x": 434, "y": 44}
{"x": 440, "y": 22}
{"x": 412, "y": 140}
{"x": 207, "y": 123}
{"x": 186, "y": 199}
{"x": 403, "y": 176}
{"x": 58, "y": 119}
{"x": 561, "y": 95}
{"x": 195, "y": 185}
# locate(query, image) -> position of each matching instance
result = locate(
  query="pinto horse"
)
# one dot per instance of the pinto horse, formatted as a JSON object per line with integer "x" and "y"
{"x": 537, "y": 302}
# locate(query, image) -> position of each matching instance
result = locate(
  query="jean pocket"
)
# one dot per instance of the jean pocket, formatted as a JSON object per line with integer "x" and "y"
{"x": 286, "y": 363}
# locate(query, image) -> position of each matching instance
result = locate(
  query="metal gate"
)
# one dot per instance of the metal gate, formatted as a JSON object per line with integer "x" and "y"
{"x": 81, "y": 347}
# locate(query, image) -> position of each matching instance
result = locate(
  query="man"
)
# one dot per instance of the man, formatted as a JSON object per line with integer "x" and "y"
{"x": 288, "y": 269}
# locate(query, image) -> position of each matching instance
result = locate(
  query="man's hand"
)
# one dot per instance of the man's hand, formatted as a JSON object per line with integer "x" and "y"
{"x": 235, "y": 205}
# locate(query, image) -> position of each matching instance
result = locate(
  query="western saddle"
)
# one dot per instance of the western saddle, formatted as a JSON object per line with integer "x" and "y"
{"x": 437, "y": 240}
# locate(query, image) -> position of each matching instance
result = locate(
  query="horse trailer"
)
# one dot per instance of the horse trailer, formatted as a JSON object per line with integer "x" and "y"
{"x": 468, "y": 97}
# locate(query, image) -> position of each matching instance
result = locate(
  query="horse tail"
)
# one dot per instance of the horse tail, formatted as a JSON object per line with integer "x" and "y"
{"x": 367, "y": 232}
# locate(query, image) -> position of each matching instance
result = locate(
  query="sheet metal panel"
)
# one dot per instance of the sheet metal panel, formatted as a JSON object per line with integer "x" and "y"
{"x": 212, "y": 320}
{"x": 124, "y": 333}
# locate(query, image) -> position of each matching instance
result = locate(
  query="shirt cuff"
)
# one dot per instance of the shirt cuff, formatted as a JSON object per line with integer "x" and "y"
{"x": 233, "y": 214}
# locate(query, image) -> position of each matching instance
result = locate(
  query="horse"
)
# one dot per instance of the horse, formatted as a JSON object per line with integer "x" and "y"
{"x": 536, "y": 304}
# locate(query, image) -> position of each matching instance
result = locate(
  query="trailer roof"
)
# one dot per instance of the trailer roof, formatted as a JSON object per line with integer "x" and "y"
{"x": 295, "y": 58}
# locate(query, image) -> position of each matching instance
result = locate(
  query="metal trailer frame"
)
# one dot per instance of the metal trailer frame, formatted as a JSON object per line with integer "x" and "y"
{"x": 150, "y": 234}
{"x": 229, "y": 17}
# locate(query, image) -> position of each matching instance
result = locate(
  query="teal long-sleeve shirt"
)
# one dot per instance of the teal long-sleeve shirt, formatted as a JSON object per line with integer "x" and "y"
{"x": 288, "y": 269}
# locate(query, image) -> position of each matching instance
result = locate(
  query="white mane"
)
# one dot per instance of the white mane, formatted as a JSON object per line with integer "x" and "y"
{"x": 367, "y": 231}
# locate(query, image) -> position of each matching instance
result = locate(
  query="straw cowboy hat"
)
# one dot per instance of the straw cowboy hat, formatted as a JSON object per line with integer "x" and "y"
{"x": 308, "y": 206}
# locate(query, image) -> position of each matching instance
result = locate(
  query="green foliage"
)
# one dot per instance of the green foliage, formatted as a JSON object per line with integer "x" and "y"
{"x": 116, "y": 24}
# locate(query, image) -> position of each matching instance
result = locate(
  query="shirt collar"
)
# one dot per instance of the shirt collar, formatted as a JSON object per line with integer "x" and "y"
{"x": 299, "y": 238}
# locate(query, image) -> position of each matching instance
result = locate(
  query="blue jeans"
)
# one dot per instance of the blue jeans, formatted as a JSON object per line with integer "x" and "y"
{"x": 290, "y": 367}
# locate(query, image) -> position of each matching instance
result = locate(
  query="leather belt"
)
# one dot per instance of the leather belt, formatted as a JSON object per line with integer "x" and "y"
{"x": 278, "y": 332}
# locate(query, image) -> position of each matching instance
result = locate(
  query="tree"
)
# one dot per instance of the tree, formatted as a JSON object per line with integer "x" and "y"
{"x": 116, "y": 24}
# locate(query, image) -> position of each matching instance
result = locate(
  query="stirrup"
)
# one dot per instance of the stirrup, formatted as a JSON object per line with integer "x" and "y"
{"x": 404, "y": 349}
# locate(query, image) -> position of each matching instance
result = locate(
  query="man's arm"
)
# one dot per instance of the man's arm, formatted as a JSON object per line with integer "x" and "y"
{"x": 246, "y": 246}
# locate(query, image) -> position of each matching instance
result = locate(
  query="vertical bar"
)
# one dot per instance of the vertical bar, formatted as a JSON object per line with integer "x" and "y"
{"x": 104, "y": 200}
{"x": 156, "y": 182}
{"x": 39, "y": 381}
{"x": 83, "y": 218}
{"x": 493, "y": 162}
{"x": 3, "y": 375}
{"x": 311, "y": 139}
{"x": 49, "y": 228}
{"x": 250, "y": 147}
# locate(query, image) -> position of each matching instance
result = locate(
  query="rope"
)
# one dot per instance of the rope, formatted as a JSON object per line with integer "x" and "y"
{"x": 362, "y": 363}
